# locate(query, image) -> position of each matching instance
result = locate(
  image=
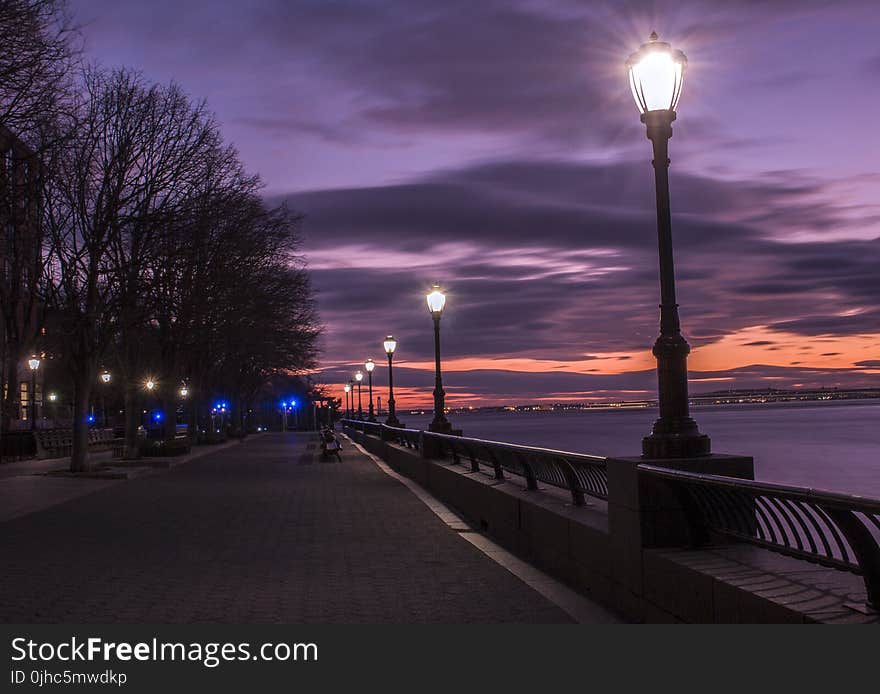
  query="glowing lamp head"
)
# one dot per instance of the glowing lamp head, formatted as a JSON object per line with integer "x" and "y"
{"x": 346, "y": 388}
{"x": 184, "y": 391}
{"x": 369, "y": 365}
{"x": 436, "y": 300}
{"x": 358, "y": 377}
{"x": 105, "y": 377}
{"x": 655, "y": 75}
{"x": 150, "y": 384}
{"x": 53, "y": 397}
{"x": 390, "y": 344}
{"x": 90, "y": 419}
{"x": 34, "y": 362}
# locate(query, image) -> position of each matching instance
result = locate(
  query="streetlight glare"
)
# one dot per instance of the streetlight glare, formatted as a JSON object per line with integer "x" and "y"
{"x": 369, "y": 365}
{"x": 655, "y": 75}
{"x": 436, "y": 300}
{"x": 34, "y": 363}
{"x": 346, "y": 388}
{"x": 150, "y": 384}
{"x": 359, "y": 377}
{"x": 390, "y": 344}
{"x": 105, "y": 377}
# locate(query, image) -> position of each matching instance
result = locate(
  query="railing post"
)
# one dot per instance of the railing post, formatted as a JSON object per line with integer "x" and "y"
{"x": 644, "y": 512}
{"x": 864, "y": 546}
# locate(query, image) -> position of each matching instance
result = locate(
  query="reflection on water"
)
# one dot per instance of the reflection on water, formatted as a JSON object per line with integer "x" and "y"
{"x": 832, "y": 445}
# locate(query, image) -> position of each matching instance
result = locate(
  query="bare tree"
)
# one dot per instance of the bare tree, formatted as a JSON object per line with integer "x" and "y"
{"x": 36, "y": 50}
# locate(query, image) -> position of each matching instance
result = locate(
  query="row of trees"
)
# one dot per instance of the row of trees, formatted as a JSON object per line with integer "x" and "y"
{"x": 159, "y": 257}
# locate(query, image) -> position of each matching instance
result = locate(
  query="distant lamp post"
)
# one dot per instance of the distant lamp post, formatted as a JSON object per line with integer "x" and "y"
{"x": 105, "y": 381}
{"x": 655, "y": 77}
{"x": 34, "y": 364}
{"x": 369, "y": 365}
{"x": 347, "y": 389}
{"x": 184, "y": 392}
{"x": 436, "y": 302}
{"x": 390, "y": 344}
{"x": 359, "y": 377}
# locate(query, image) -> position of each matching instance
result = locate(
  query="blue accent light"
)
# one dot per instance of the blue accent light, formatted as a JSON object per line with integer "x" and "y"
{"x": 90, "y": 419}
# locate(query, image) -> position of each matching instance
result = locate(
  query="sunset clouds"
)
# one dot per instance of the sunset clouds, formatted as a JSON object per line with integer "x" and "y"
{"x": 493, "y": 147}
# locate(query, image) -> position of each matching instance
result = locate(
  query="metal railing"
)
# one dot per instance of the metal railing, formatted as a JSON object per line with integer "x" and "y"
{"x": 834, "y": 530}
{"x": 581, "y": 475}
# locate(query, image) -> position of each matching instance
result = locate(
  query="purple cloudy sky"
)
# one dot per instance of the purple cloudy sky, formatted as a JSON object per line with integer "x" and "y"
{"x": 494, "y": 146}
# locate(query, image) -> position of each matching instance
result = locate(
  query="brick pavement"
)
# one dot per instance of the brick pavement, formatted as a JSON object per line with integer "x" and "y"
{"x": 259, "y": 533}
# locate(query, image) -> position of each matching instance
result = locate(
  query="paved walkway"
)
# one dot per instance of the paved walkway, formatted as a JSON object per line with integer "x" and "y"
{"x": 258, "y": 533}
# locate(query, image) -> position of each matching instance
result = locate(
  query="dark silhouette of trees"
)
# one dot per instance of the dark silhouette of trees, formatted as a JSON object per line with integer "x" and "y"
{"x": 163, "y": 255}
{"x": 35, "y": 66}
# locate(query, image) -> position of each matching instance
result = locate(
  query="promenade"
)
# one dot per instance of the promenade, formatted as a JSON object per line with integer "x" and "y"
{"x": 262, "y": 532}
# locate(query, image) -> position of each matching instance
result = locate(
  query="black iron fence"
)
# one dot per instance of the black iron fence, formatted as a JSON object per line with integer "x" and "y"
{"x": 581, "y": 475}
{"x": 835, "y": 530}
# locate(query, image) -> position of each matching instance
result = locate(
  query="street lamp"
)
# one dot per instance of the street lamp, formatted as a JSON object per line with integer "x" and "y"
{"x": 34, "y": 364}
{"x": 184, "y": 391}
{"x": 369, "y": 365}
{"x": 347, "y": 389}
{"x": 655, "y": 77}
{"x": 150, "y": 384}
{"x": 105, "y": 380}
{"x": 359, "y": 377}
{"x": 436, "y": 301}
{"x": 390, "y": 344}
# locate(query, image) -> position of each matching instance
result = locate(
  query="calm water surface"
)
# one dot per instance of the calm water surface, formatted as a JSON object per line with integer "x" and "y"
{"x": 829, "y": 445}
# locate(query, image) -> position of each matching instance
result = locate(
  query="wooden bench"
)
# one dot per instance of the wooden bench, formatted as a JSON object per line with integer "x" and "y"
{"x": 58, "y": 443}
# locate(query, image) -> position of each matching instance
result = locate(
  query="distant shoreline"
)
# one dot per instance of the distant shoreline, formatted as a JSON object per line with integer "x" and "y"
{"x": 698, "y": 403}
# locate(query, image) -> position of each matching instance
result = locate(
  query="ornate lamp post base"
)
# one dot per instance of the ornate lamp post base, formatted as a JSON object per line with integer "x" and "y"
{"x": 440, "y": 426}
{"x": 688, "y": 442}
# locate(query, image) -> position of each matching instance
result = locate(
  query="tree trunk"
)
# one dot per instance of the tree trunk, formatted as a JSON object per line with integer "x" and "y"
{"x": 132, "y": 420}
{"x": 79, "y": 459}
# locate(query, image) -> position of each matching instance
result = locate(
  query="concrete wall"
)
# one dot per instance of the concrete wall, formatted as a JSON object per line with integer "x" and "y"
{"x": 611, "y": 552}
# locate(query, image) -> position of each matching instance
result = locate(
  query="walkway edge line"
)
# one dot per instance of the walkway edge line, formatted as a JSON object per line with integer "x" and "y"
{"x": 581, "y": 609}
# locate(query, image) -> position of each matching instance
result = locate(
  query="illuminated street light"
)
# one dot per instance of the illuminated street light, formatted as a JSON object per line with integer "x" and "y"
{"x": 390, "y": 344}
{"x": 150, "y": 384}
{"x": 347, "y": 389}
{"x": 359, "y": 377}
{"x": 369, "y": 365}
{"x": 184, "y": 391}
{"x": 656, "y": 72}
{"x": 105, "y": 378}
{"x": 436, "y": 303}
{"x": 34, "y": 364}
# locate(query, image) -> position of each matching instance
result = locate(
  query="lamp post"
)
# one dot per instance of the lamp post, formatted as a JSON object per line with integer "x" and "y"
{"x": 369, "y": 365}
{"x": 359, "y": 377}
{"x": 105, "y": 380}
{"x": 436, "y": 302}
{"x": 347, "y": 389}
{"x": 150, "y": 385}
{"x": 655, "y": 77}
{"x": 390, "y": 344}
{"x": 34, "y": 364}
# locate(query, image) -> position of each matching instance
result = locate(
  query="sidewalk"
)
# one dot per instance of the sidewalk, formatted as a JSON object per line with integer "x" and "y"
{"x": 25, "y": 486}
{"x": 264, "y": 532}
